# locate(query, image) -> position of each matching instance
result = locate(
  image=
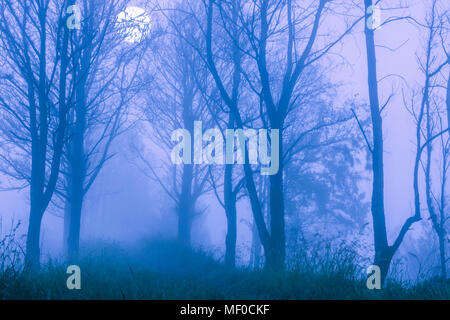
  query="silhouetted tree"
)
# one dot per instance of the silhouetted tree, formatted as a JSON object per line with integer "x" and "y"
{"x": 104, "y": 73}
{"x": 383, "y": 251}
{"x": 35, "y": 101}
{"x": 436, "y": 200}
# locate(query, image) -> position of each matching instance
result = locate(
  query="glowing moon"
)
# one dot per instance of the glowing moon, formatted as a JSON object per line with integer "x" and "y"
{"x": 134, "y": 24}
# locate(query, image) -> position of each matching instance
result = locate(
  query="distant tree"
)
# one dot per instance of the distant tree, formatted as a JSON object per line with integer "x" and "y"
{"x": 174, "y": 99}
{"x": 323, "y": 183}
{"x": 432, "y": 69}
{"x": 104, "y": 70}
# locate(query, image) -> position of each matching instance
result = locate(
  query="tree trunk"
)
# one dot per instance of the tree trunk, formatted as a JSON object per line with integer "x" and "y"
{"x": 78, "y": 176}
{"x": 383, "y": 256}
{"x": 277, "y": 255}
{"x": 185, "y": 206}
{"x": 448, "y": 101}
{"x": 33, "y": 251}
{"x": 77, "y": 155}
{"x": 230, "y": 210}
{"x": 66, "y": 230}
{"x": 230, "y": 204}
{"x": 186, "y": 202}
{"x": 443, "y": 235}
{"x": 74, "y": 226}
{"x": 437, "y": 224}
{"x": 442, "y": 240}
{"x": 36, "y": 211}
{"x": 77, "y": 161}
{"x": 255, "y": 259}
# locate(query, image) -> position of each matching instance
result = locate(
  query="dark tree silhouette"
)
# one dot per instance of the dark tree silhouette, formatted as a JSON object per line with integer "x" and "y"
{"x": 35, "y": 46}
{"x": 383, "y": 251}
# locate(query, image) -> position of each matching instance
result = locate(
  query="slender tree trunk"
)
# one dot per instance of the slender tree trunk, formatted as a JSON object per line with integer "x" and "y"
{"x": 77, "y": 155}
{"x": 67, "y": 212}
{"x": 77, "y": 162}
{"x": 229, "y": 194}
{"x": 443, "y": 256}
{"x": 75, "y": 225}
{"x": 437, "y": 224}
{"x": 448, "y": 100}
{"x": 230, "y": 210}
{"x": 255, "y": 260}
{"x": 185, "y": 206}
{"x": 36, "y": 191}
{"x": 383, "y": 255}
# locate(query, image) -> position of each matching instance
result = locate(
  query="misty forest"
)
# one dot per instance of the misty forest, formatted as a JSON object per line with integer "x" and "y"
{"x": 225, "y": 149}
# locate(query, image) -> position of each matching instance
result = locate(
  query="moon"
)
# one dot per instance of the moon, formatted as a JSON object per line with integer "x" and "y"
{"x": 134, "y": 24}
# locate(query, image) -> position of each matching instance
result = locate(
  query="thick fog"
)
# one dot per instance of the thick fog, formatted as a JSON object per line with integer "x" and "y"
{"x": 131, "y": 200}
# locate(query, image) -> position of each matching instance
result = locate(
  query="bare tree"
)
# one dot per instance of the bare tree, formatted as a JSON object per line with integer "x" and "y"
{"x": 105, "y": 78}
{"x": 174, "y": 100}
{"x": 436, "y": 200}
{"x": 36, "y": 101}
{"x": 383, "y": 251}
{"x": 258, "y": 23}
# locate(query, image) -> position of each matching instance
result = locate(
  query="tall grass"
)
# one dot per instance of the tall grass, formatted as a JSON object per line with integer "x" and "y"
{"x": 165, "y": 270}
{"x": 11, "y": 257}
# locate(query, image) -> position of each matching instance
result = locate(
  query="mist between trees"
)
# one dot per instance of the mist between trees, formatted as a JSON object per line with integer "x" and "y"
{"x": 297, "y": 148}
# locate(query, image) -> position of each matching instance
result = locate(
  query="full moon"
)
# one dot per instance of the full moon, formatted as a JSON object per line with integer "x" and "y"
{"x": 134, "y": 24}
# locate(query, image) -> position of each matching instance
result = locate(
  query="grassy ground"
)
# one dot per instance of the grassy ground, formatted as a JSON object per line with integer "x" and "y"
{"x": 166, "y": 271}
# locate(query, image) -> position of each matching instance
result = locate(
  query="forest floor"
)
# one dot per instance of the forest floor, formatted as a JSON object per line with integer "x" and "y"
{"x": 165, "y": 271}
